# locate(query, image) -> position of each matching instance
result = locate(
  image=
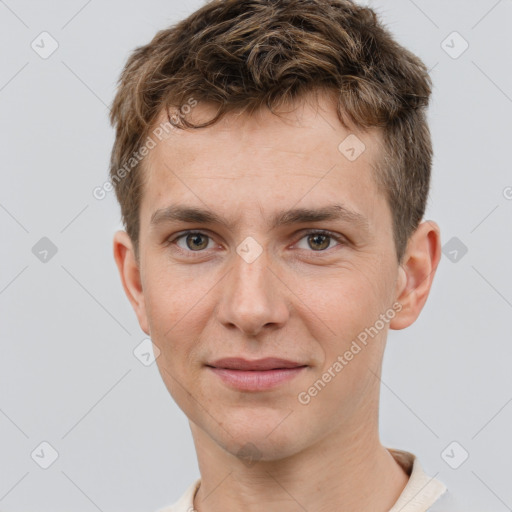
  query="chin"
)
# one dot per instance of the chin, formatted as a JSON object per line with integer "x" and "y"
{"x": 259, "y": 442}
{"x": 253, "y": 449}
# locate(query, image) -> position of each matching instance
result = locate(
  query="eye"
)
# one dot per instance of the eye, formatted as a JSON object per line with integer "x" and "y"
{"x": 197, "y": 241}
{"x": 319, "y": 240}
{"x": 194, "y": 241}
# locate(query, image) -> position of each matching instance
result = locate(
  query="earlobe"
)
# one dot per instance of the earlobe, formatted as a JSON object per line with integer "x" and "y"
{"x": 129, "y": 272}
{"x": 417, "y": 273}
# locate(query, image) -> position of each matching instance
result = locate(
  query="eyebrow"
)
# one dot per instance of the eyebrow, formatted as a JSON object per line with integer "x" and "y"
{"x": 282, "y": 218}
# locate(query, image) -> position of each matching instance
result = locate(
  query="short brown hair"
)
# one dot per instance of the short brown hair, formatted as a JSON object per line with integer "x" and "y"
{"x": 247, "y": 54}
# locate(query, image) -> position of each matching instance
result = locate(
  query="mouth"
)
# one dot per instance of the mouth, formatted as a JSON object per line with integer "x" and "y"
{"x": 255, "y": 375}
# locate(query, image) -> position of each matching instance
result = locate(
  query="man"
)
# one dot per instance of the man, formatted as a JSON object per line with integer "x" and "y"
{"x": 272, "y": 162}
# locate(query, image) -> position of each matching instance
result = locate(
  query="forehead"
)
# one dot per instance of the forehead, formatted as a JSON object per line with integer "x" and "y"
{"x": 304, "y": 155}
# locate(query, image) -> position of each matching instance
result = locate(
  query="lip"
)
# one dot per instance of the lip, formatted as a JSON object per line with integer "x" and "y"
{"x": 255, "y": 375}
{"x": 267, "y": 363}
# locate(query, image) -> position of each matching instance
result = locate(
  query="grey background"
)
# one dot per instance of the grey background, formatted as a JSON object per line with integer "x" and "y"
{"x": 68, "y": 375}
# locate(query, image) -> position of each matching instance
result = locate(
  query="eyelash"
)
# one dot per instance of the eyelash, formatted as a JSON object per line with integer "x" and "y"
{"x": 338, "y": 238}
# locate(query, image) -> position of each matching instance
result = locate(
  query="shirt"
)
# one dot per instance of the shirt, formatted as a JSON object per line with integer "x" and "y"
{"x": 418, "y": 495}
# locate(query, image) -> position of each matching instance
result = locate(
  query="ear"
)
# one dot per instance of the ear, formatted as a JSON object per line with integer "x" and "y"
{"x": 130, "y": 276}
{"x": 417, "y": 273}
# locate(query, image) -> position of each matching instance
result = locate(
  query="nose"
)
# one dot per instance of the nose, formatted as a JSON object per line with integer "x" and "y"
{"x": 252, "y": 298}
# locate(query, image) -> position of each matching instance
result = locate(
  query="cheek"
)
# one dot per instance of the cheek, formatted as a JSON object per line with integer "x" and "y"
{"x": 344, "y": 302}
{"x": 340, "y": 315}
{"x": 176, "y": 318}
{"x": 171, "y": 298}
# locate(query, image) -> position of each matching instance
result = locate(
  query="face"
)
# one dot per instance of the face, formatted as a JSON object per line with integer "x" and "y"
{"x": 290, "y": 258}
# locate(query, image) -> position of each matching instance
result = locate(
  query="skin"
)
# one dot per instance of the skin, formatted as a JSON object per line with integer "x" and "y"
{"x": 295, "y": 301}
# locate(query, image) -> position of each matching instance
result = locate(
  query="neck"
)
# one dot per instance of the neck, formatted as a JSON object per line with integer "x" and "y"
{"x": 351, "y": 472}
